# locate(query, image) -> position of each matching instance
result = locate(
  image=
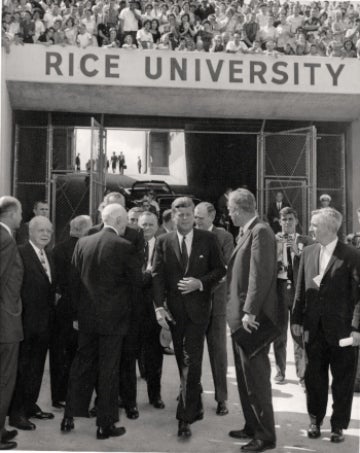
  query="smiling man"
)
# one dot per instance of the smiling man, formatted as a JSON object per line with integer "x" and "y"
{"x": 187, "y": 265}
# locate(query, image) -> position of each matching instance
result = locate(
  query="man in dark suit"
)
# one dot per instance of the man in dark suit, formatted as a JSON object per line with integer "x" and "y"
{"x": 37, "y": 294}
{"x": 152, "y": 352}
{"x": 327, "y": 298}
{"x": 290, "y": 245}
{"x": 187, "y": 266}
{"x": 106, "y": 267}
{"x": 167, "y": 225}
{"x": 273, "y": 213}
{"x": 63, "y": 342}
{"x": 11, "y": 331}
{"x": 216, "y": 333}
{"x": 251, "y": 282}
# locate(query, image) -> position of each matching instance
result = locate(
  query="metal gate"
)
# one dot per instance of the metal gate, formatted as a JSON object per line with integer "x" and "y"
{"x": 286, "y": 162}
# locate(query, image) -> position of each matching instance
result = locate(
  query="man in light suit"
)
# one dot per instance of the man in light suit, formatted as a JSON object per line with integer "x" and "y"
{"x": 216, "y": 333}
{"x": 38, "y": 298}
{"x": 11, "y": 331}
{"x": 290, "y": 245}
{"x": 187, "y": 266}
{"x": 251, "y": 282}
{"x": 105, "y": 268}
{"x": 326, "y": 303}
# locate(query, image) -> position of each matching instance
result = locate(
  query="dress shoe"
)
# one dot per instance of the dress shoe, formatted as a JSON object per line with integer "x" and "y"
{"x": 7, "y": 445}
{"x": 58, "y": 404}
{"x": 337, "y": 435}
{"x": 221, "y": 408}
{"x": 158, "y": 403}
{"x": 67, "y": 424}
{"x": 8, "y": 435}
{"x": 184, "y": 429}
{"x": 110, "y": 431}
{"x": 240, "y": 434}
{"x": 40, "y": 415}
{"x": 132, "y": 412}
{"x": 314, "y": 431}
{"x": 22, "y": 423}
{"x": 279, "y": 378}
{"x": 258, "y": 445}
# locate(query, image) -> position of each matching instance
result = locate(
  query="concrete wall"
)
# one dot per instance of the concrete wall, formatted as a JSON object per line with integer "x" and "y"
{"x": 6, "y": 137}
{"x": 353, "y": 174}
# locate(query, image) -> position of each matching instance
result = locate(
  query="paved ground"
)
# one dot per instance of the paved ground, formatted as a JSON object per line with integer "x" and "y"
{"x": 155, "y": 430}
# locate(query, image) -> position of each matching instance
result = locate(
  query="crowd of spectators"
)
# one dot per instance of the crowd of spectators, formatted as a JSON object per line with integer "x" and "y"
{"x": 276, "y": 27}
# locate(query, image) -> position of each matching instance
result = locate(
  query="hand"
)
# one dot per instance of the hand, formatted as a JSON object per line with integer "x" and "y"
{"x": 356, "y": 337}
{"x": 297, "y": 330}
{"x": 162, "y": 316}
{"x": 249, "y": 322}
{"x": 188, "y": 285}
{"x": 76, "y": 325}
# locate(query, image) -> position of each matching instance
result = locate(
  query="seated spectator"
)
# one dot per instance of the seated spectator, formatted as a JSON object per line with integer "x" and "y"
{"x": 206, "y": 35}
{"x": 154, "y": 30}
{"x": 313, "y": 50}
{"x": 335, "y": 47}
{"x": 129, "y": 43}
{"x": 27, "y": 27}
{"x": 144, "y": 37}
{"x": 236, "y": 45}
{"x": 47, "y": 38}
{"x": 186, "y": 29}
{"x": 71, "y": 31}
{"x": 112, "y": 41}
{"x": 199, "y": 45}
{"x": 268, "y": 32}
{"x": 84, "y": 39}
{"x": 225, "y": 38}
{"x": 271, "y": 49}
{"x": 190, "y": 44}
{"x": 349, "y": 50}
{"x": 289, "y": 49}
{"x": 217, "y": 44}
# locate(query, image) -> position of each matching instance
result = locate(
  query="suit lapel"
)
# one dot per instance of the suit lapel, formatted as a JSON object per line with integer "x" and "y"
{"x": 316, "y": 259}
{"x": 37, "y": 261}
{"x": 244, "y": 238}
{"x": 176, "y": 247}
{"x": 194, "y": 250}
{"x": 333, "y": 258}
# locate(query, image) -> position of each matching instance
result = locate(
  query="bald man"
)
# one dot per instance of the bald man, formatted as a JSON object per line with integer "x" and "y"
{"x": 37, "y": 294}
{"x": 105, "y": 268}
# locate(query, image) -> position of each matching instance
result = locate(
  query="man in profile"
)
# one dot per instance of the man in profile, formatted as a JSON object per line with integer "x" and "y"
{"x": 251, "y": 282}
{"x": 106, "y": 267}
{"x": 325, "y": 309}
{"x": 11, "y": 331}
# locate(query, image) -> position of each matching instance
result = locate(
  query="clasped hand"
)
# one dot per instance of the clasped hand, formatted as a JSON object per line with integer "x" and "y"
{"x": 188, "y": 285}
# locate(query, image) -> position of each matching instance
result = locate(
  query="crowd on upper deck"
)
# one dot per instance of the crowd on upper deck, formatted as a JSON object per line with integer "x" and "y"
{"x": 274, "y": 27}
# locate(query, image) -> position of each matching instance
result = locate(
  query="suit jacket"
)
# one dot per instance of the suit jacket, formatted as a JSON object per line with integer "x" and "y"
{"x": 205, "y": 264}
{"x": 37, "y": 292}
{"x": 274, "y": 213}
{"x": 226, "y": 242}
{"x": 11, "y": 277}
{"x": 251, "y": 276}
{"x": 333, "y": 303}
{"x": 62, "y": 256}
{"x": 105, "y": 268}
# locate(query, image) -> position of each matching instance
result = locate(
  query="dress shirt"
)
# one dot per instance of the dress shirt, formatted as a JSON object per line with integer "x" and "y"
{"x": 284, "y": 256}
{"x": 188, "y": 240}
{"x": 8, "y": 229}
{"x": 41, "y": 258}
{"x": 326, "y": 253}
{"x": 247, "y": 225}
{"x": 151, "y": 245}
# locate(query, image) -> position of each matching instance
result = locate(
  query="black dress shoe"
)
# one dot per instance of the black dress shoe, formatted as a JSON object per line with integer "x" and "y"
{"x": 8, "y": 435}
{"x": 337, "y": 435}
{"x": 221, "y": 408}
{"x": 58, "y": 404}
{"x": 7, "y": 445}
{"x": 240, "y": 434}
{"x": 67, "y": 424}
{"x": 22, "y": 423}
{"x": 132, "y": 412}
{"x": 110, "y": 431}
{"x": 158, "y": 403}
{"x": 258, "y": 445}
{"x": 184, "y": 429}
{"x": 40, "y": 415}
{"x": 314, "y": 431}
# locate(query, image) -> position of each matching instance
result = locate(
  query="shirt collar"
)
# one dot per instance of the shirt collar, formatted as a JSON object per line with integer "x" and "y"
{"x": 189, "y": 236}
{"x": 247, "y": 225}
{"x": 35, "y": 247}
{"x": 111, "y": 228}
{"x": 211, "y": 227}
{"x": 331, "y": 246}
{"x": 151, "y": 241}
{"x": 7, "y": 228}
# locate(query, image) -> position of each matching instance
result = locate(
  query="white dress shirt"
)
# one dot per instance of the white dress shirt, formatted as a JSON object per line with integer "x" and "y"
{"x": 326, "y": 253}
{"x": 151, "y": 246}
{"x": 42, "y": 255}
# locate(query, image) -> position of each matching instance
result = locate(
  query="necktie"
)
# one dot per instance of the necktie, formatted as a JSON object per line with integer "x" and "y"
{"x": 279, "y": 206}
{"x": 146, "y": 254}
{"x": 184, "y": 254}
{"x": 240, "y": 235}
{"x": 43, "y": 263}
{"x": 290, "y": 271}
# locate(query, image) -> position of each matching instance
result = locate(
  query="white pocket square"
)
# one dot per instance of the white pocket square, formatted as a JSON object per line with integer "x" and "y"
{"x": 201, "y": 256}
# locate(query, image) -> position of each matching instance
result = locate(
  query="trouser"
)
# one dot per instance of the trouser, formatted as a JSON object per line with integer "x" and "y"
{"x": 63, "y": 346}
{"x": 32, "y": 356}
{"x": 96, "y": 360}
{"x": 342, "y": 363}
{"x": 9, "y": 353}
{"x": 286, "y": 298}
{"x": 188, "y": 339}
{"x": 253, "y": 378}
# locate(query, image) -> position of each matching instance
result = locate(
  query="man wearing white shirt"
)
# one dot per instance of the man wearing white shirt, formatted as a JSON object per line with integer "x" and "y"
{"x": 326, "y": 302}
{"x": 129, "y": 20}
